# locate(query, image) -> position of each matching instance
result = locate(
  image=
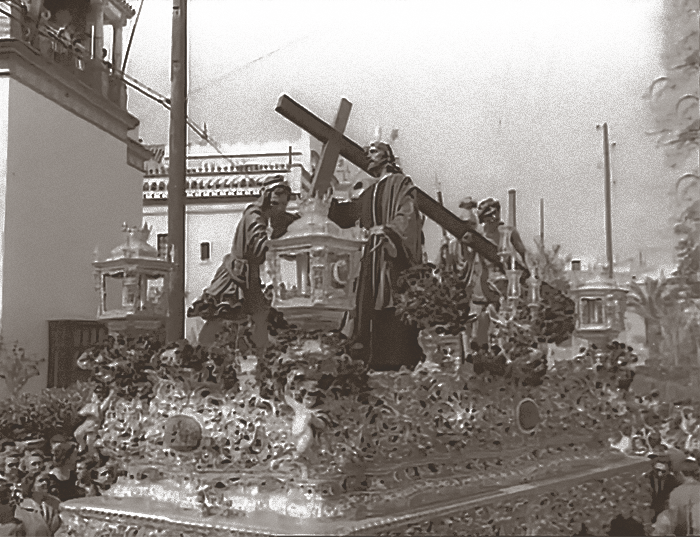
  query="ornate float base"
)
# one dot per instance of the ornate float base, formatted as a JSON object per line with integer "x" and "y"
{"x": 577, "y": 497}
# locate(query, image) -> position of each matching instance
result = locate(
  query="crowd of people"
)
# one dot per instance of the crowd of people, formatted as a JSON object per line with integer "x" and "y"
{"x": 669, "y": 438}
{"x": 34, "y": 480}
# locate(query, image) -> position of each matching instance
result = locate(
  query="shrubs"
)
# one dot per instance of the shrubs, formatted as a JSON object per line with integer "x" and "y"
{"x": 429, "y": 297}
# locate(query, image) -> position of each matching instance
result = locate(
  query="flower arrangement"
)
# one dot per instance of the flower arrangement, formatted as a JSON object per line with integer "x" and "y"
{"x": 513, "y": 353}
{"x": 429, "y": 296}
{"x": 371, "y": 417}
{"x": 555, "y": 320}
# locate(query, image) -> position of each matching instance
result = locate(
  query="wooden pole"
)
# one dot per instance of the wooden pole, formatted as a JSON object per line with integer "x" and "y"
{"x": 608, "y": 213}
{"x": 542, "y": 221}
{"x": 175, "y": 328}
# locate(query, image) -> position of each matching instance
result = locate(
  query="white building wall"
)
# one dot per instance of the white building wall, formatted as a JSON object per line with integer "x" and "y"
{"x": 69, "y": 189}
{"x": 213, "y": 223}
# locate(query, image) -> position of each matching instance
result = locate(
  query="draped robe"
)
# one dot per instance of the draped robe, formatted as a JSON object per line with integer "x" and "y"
{"x": 236, "y": 289}
{"x": 390, "y": 203}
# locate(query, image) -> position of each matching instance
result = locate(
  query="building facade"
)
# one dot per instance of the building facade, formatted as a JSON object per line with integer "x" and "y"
{"x": 220, "y": 184}
{"x": 71, "y": 169}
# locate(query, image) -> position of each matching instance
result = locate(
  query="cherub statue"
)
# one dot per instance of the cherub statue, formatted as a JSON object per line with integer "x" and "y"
{"x": 301, "y": 400}
{"x": 94, "y": 412}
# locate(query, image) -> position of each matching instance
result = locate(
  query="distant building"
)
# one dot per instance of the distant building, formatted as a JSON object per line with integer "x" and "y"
{"x": 634, "y": 269}
{"x": 70, "y": 171}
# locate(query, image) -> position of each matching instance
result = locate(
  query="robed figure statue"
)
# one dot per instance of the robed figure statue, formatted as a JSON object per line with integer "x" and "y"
{"x": 236, "y": 291}
{"x": 388, "y": 210}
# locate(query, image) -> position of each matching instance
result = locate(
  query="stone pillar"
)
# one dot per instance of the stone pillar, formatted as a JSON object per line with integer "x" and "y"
{"x": 97, "y": 29}
{"x": 117, "y": 47}
{"x": 98, "y": 73}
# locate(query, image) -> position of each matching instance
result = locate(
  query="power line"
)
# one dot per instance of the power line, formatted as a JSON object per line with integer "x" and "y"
{"x": 165, "y": 102}
{"x": 131, "y": 37}
{"x": 132, "y": 83}
{"x": 235, "y": 69}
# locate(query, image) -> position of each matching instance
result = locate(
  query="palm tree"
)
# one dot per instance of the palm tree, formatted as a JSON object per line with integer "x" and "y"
{"x": 551, "y": 265}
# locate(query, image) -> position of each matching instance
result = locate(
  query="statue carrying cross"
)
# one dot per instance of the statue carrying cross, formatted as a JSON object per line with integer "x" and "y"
{"x": 390, "y": 210}
{"x": 335, "y": 144}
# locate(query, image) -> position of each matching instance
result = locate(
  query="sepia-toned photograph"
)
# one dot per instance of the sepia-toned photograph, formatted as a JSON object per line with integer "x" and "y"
{"x": 336, "y": 267}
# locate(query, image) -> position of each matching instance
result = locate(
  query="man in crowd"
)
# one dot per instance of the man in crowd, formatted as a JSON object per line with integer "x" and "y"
{"x": 682, "y": 516}
{"x": 662, "y": 482}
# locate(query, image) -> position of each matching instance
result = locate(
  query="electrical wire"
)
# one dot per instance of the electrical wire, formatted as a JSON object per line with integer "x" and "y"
{"x": 212, "y": 83}
{"x": 131, "y": 37}
{"x": 128, "y": 80}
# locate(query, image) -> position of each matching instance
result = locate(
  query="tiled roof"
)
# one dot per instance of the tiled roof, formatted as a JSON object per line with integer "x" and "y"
{"x": 158, "y": 151}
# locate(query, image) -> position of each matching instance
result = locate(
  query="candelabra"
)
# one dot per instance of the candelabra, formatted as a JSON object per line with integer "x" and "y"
{"x": 507, "y": 256}
{"x": 533, "y": 288}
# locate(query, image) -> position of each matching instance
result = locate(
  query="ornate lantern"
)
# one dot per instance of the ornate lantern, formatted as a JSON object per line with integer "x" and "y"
{"x": 133, "y": 284}
{"x": 600, "y": 310}
{"x": 313, "y": 268}
{"x": 505, "y": 246}
{"x": 514, "y": 287}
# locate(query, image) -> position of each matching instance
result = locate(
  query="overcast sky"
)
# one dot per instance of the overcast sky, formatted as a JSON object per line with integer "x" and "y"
{"x": 488, "y": 95}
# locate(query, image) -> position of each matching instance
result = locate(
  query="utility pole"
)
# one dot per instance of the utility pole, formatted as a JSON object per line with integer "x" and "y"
{"x": 175, "y": 328}
{"x": 542, "y": 221}
{"x": 608, "y": 203}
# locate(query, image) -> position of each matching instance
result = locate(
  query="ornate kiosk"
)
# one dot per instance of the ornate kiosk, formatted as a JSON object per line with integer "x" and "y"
{"x": 600, "y": 310}
{"x": 313, "y": 268}
{"x": 132, "y": 284}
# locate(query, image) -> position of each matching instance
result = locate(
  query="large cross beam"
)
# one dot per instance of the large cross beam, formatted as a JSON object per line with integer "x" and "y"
{"x": 335, "y": 144}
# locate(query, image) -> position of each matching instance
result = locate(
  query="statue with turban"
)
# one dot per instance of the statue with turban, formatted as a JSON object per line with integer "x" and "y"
{"x": 236, "y": 290}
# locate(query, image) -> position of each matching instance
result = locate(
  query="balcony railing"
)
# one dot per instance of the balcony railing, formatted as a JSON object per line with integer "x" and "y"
{"x": 61, "y": 49}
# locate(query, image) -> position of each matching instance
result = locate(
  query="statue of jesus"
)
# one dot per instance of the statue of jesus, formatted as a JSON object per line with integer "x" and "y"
{"x": 388, "y": 210}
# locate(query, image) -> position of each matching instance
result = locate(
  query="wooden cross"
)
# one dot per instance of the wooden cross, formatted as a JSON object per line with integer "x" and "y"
{"x": 335, "y": 143}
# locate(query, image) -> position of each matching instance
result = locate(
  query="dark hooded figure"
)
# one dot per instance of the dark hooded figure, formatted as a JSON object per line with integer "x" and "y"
{"x": 388, "y": 210}
{"x": 236, "y": 290}
{"x": 662, "y": 482}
